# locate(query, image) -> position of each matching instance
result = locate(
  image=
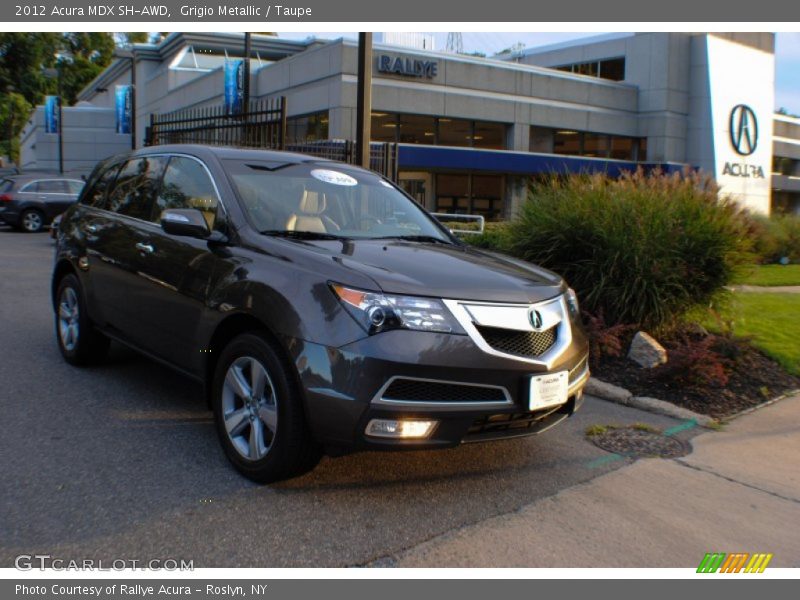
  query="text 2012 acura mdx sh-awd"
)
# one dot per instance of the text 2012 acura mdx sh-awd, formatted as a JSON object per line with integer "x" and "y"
{"x": 320, "y": 305}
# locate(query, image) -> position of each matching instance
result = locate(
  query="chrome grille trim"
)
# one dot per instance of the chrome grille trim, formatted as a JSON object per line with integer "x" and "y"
{"x": 379, "y": 400}
{"x": 515, "y": 313}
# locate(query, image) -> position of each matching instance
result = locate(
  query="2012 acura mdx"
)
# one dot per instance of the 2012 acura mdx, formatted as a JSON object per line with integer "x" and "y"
{"x": 321, "y": 307}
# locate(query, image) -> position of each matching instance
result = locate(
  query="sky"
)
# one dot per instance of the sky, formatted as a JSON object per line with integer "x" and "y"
{"x": 787, "y": 53}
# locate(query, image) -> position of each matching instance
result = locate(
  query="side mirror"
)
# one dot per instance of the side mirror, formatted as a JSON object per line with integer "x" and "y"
{"x": 188, "y": 222}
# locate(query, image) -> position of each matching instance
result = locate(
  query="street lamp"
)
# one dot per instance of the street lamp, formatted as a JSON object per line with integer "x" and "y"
{"x": 56, "y": 73}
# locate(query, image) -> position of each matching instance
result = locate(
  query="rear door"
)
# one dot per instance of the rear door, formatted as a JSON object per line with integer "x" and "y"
{"x": 54, "y": 195}
{"x": 116, "y": 240}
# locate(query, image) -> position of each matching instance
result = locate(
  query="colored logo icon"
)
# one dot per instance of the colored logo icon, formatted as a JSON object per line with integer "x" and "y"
{"x": 737, "y": 562}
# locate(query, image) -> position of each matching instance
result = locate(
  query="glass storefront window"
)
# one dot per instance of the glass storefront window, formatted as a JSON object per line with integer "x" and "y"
{"x": 454, "y": 132}
{"x": 384, "y": 127}
{"x": 307, "y": 128}
{"x": 595, "y": 144}
{"x": 567, "y": 142}
{"x": 470, "y": 194}
{"x": 489, "y": 135}
{"x": 622, "y": 148}
{"x": 415, "y": 129}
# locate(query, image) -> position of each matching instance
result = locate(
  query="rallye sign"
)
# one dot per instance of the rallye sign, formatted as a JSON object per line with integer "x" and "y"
{"x": 410, "y": 67}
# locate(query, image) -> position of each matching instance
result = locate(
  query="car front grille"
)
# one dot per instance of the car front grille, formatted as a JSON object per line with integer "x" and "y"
{"x": 528, "y": 344}
{"x": 413, "y": 390}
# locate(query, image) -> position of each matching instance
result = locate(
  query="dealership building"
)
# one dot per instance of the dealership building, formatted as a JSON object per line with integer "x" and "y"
{"x": 472, "y": 131}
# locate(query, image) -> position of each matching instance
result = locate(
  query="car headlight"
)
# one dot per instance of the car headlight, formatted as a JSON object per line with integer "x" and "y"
{"x": 572, "y": 302}
{"x": 376, "y": 311}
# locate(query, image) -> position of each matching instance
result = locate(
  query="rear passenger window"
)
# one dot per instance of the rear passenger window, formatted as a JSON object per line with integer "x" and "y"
{"x": 187, "y": 185}
{"x": 97, "y": 195}
{"x": 74, "y": 187}
{"x": 135, "y": 187}
{"x": 52, "y": 186}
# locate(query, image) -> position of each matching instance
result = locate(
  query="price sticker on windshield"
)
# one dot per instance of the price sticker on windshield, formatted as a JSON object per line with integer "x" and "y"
{"x": 333, "y": 177}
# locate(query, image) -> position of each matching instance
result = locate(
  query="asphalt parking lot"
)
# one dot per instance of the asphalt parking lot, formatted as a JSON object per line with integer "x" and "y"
{"x": 121, "y": 461}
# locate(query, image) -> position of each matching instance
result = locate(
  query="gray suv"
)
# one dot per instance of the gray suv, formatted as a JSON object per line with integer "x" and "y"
{"x": 31, "y": 202}
{"x": 322, "y": 308}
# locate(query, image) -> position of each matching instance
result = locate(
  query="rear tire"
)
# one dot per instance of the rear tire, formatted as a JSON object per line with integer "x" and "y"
{"x": 78, "y": 340}
{"x": 31, "y": 221}
{"x": 258, "y": 411}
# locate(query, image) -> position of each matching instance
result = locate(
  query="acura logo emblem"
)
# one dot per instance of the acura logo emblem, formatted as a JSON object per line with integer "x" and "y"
{"x": 535, "y": 317}
{"x": 744, "y": 129}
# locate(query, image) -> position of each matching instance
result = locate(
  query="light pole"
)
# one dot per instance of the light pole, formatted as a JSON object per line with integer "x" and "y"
{"x": 56, "y": 73}
{"x": 364, "y": 100}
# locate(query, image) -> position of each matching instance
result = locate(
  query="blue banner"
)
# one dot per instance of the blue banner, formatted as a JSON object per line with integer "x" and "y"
{"x": 51, "y": 124}
{"x": 123, "y": 98}
{"x": 234, "y": 85}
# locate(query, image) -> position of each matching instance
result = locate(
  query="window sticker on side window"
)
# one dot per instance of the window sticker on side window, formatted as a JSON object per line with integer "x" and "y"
{"x": 334, "y": 177}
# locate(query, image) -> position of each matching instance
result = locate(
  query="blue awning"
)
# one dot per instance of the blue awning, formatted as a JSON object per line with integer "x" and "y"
{"x": 413, "y": 156}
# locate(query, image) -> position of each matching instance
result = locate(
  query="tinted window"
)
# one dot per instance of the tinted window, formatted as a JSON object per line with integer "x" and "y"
{"x": 74, "y": 187}
{"x": 97, "y": 195}
{"x": 52, "y": 186}
{"x": 135, "y": 187}
{"x": 187, "y": 185}
{"x": 326, "y": 198}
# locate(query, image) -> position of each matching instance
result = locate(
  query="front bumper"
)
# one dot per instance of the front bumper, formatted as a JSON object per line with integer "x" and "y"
{"x": 345, "y": 388}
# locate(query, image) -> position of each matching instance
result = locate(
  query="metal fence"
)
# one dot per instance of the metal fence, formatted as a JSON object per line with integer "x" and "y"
{"x": 262, "y": 125}
{"x": 382, "y": 159}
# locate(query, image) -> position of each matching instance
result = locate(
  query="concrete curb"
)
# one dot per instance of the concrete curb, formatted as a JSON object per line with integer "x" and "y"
{"x": 613, "y": 393}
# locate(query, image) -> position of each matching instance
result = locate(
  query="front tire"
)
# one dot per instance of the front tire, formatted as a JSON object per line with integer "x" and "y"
{"x": 258, "y": 411}
{"x": 31, "y": 221}
{"x": 79, "y": 342}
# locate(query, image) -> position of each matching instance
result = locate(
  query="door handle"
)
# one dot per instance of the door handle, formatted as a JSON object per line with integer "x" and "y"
{"x": 145, "y": 248}
{"x": 90, "y": 228}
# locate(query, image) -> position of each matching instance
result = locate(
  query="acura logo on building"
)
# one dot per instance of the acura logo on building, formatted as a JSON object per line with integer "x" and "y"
{"x": 744, "y": 129}
{"x": 535, "y": 317}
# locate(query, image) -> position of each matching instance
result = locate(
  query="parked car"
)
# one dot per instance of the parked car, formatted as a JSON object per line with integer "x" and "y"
{"x": 31, "y": 202}
{"x": 321, "y": 307}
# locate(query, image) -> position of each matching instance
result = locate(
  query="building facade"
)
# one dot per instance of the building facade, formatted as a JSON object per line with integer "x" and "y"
{"x": 472, "y": 131}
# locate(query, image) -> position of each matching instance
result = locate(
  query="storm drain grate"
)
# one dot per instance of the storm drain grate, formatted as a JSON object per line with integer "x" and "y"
{"x": 636, "y": 443}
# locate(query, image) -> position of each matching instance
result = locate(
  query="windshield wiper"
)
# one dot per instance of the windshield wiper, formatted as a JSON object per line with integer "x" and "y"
{"x": 416, "y": 238}
{"x": 303, "y": 235}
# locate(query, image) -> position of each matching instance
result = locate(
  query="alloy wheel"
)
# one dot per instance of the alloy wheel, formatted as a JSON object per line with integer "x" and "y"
{"x": 249, "y": 408}
{"x": 68, "y": 319}
{"x": 32, "y": 221}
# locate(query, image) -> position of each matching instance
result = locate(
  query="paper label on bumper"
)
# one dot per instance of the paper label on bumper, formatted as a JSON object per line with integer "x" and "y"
{"x": 548, "y": 390}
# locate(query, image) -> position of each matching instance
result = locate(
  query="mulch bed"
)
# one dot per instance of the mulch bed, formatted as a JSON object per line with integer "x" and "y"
{"x": 754, "y": 380}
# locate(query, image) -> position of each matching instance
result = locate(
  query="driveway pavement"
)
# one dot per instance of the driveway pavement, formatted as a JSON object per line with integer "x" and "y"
{"x": 739, "y": 491}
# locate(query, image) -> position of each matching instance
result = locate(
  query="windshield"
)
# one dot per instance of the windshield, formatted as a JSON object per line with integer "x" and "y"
{"x": 327, "y": 201}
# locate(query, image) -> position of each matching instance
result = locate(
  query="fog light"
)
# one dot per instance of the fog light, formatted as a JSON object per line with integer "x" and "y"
{"x": 405, "y": 429}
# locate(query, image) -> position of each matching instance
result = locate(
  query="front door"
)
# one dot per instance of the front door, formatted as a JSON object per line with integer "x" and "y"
{"x": 178, "y": 271}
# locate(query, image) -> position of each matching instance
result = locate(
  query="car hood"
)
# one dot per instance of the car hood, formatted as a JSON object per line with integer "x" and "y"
{"x": 444, "y": 271}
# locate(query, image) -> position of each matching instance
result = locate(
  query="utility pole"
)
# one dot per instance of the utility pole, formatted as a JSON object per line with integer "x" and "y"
{"x": 364, "y": 101}
{"x": 248, "y": 50}
{"x": 133, "y": 99}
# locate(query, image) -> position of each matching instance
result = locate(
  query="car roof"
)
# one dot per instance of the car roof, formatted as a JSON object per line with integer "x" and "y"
{"x": 26, "y": 177}
{"x": 232, "y": 153}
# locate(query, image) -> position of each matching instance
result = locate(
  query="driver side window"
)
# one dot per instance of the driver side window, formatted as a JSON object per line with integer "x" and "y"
{"x": 187, "y": 184}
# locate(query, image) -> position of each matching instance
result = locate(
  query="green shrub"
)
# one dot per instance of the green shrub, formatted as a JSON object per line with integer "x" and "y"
{"x": 777, "y": 237}
{"x": 495, "y": 237}
{"x": 640, "y": 250}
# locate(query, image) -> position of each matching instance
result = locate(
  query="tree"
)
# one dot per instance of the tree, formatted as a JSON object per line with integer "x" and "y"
{"x": 14, "y": 111}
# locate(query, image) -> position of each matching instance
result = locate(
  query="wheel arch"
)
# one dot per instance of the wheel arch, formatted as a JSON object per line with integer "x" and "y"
{"x": 229, "y": 328}
{"x": 63, "y": 267}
